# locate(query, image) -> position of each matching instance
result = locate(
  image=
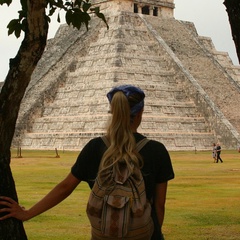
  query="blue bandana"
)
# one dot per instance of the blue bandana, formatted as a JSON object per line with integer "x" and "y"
{"x": 128, "y": 90}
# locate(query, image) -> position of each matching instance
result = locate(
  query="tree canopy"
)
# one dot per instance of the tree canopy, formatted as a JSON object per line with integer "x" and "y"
{"x": 76, "y": 13}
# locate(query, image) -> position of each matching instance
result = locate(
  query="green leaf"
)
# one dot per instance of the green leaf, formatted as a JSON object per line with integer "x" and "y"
{"x": 12, "y": 23}
{"x": 58, "y": 18}
{"x": 86, "y": 19}
{"x": 100, "y": 15}
{"x": 69, "y": 17}
{"x": 96, "y": 9}
{"x": 86, "y": 6}
{"x": 10, "y": 31}
{"x": 18, "y": 31}
{"x": 15, "y": 27}
{"x": 78, "y": 3}
{"x": 77, "y": 18}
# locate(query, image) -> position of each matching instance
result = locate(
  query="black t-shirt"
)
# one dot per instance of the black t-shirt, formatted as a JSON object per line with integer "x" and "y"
{"x": 157, "y": 163}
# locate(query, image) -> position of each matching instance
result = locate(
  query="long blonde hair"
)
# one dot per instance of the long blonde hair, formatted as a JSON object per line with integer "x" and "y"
{"x": 120, "y": 135}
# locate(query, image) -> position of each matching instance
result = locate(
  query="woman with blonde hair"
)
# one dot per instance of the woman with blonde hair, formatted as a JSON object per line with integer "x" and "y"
{"x": 127, "y": 104}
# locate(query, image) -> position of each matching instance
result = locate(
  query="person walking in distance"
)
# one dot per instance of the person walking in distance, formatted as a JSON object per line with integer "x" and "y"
{"x": 219, "y": 153}
{"x": 126, "y": 107}
{"x": 214, "y": 152}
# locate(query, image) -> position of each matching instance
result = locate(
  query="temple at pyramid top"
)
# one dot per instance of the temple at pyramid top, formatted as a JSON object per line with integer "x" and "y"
{"x": 158, "y": 8}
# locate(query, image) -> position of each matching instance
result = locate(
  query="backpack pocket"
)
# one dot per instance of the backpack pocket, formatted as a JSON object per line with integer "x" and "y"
{"x": 115, "y": 216}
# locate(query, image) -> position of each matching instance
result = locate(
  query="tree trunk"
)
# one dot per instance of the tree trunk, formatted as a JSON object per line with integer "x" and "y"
{"x": 13, "y": 90}
{"x": 233, "y": 10}
{"x": 10, "y": 229}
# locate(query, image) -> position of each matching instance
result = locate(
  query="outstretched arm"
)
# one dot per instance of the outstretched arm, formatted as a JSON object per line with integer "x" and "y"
{"x": 54, "y": 197}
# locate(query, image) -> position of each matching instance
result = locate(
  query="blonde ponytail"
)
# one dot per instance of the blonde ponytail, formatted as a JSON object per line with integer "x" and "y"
{"x": 120, "y": 136}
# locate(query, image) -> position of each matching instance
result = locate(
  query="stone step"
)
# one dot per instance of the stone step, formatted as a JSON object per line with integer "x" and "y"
{"x": 76, "y": 140}
{"x": 158, "y": 98}
{"x": 177, "y": 125}
{"x": 89, "y": 117}
{"x": 88, "y": 123}
{"x": 163, "y": 109}
{"x": 187, "y": 141}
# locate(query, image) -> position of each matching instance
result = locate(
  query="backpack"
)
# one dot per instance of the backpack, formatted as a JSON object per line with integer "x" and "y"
{"x": 118, "y": 207}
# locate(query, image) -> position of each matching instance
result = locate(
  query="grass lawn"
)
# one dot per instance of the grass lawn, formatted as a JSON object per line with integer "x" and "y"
{"x": 203, "y": 201}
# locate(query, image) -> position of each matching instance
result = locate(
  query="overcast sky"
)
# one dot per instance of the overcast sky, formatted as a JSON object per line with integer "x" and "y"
{"x": 209, "y": 16}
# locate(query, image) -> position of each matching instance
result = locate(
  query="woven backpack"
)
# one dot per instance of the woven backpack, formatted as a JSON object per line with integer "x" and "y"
{"x": 117, "y": 207}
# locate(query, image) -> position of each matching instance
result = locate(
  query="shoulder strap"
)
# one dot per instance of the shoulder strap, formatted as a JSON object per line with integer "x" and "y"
{"x": 105, "y": 140}
{"x": 139, "y": 145}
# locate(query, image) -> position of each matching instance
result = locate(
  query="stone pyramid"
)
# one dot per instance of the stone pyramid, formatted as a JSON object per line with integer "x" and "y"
{"x": 192, "y": 91}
